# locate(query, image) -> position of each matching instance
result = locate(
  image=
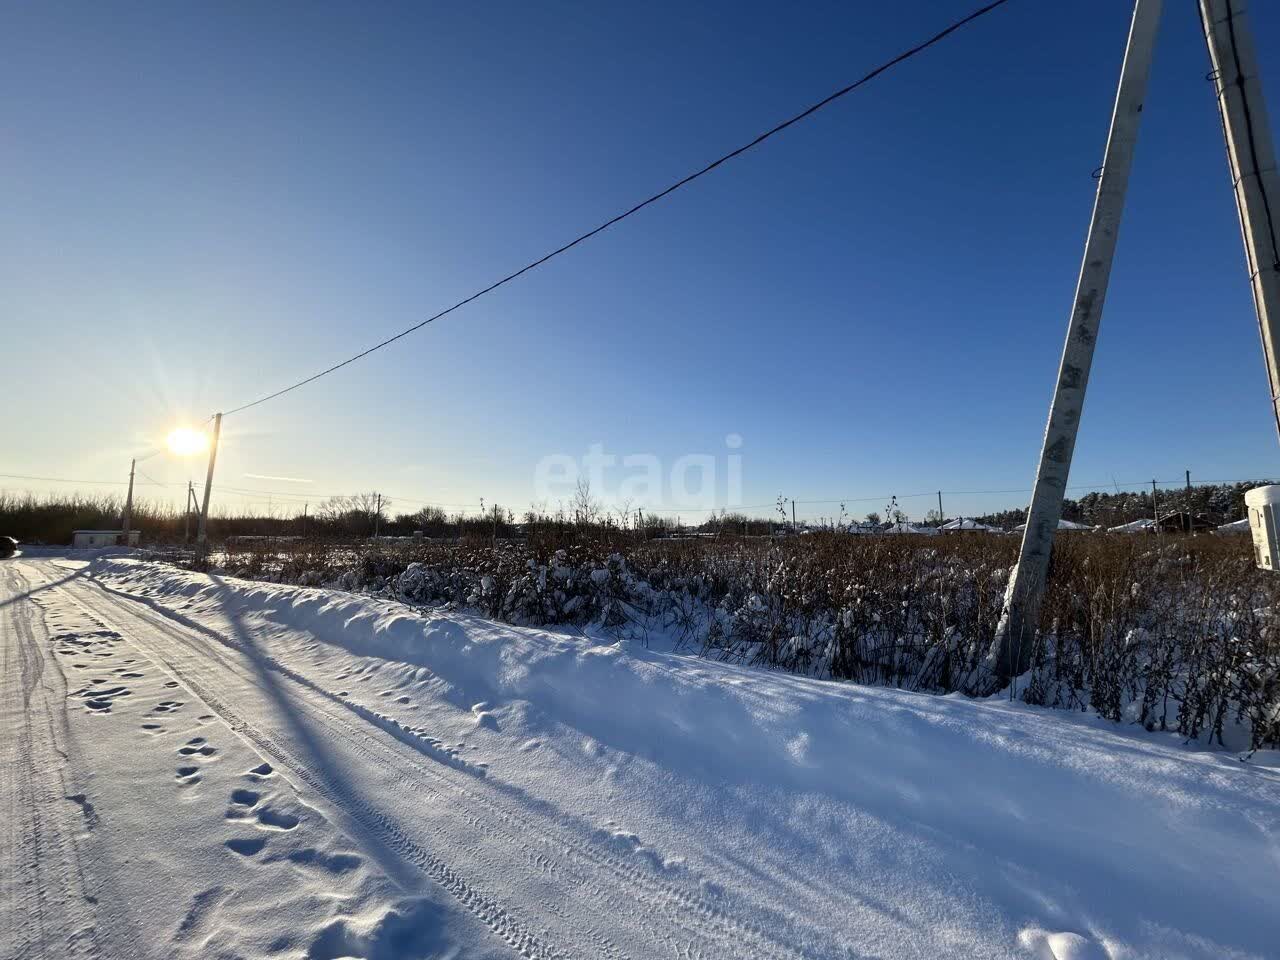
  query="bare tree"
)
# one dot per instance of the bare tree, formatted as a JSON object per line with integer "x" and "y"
{"x": 624, "y": 513}
{"x": 356, "y": 514}
{"x": 586, "y": 508}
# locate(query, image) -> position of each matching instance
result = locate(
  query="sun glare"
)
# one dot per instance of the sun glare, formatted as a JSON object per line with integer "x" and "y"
{"x": 185, "y": 442}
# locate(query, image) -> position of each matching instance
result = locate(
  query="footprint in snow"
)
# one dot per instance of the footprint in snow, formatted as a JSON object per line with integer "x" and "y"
{"x": 245, "y": 801}
{"x": 336, "y": 863}
{"x": 99, "y": 700}
{"x": 1045, "y": 945}
{"x": 247, "y": 846}
{"x": 484, "y": 718}
{"x": 270, "y": 819}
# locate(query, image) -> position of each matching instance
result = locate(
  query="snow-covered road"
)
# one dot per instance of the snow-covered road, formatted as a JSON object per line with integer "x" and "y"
{"x": 214, "y": 768}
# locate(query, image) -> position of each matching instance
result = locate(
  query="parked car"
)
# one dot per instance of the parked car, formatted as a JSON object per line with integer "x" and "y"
{"x": 8, "y": 547}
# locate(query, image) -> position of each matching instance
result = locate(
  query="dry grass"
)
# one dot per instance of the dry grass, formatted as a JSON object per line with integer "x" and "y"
{"x": 1172, "y": 632}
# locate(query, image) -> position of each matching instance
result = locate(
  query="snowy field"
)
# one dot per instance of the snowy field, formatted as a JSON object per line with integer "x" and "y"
{"x": 201, "y": 767}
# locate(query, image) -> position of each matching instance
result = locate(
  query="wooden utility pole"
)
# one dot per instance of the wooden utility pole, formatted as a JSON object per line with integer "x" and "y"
{"x": 1191, "y": 523}
{"x": 377, "y": 514}
{"x": 1011, "y": 648}
{"x": 186, "y": 513}
{"x": 128, "y": 503}
{"x": 1251, "y": 157}
{"x": 793, "y": 516}
{"x": 202, "y": 530}
{"x": 941, "y": 516}
{"x": 1155, "y": 507}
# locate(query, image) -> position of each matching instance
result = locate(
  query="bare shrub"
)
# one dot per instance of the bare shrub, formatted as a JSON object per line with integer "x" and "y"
{"x": 1174, "y": 633}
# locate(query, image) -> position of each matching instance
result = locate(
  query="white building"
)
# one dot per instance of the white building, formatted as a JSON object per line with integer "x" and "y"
{"x": 85, "y": 539}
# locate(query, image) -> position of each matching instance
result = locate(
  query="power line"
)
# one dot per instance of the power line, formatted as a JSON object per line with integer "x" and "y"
{"x": 887, "y": 65}
{"x": 115, "y": 483}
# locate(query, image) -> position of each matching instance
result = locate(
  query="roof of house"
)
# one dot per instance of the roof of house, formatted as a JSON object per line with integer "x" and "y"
{"x": 964, "y": 523}
{"x": 1134, "y": 526}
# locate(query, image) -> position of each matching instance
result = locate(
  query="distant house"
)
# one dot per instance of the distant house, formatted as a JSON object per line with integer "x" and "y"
{"x": 1235, "y": 526}
{"x": 1135, "y": 526}
{"x": 1186, "y": 523}
{"x": 902, "y": 526}
{"x": 1062, "y": 525}
{"x": 964, "y": 523}
{"x": 86, "y": 539}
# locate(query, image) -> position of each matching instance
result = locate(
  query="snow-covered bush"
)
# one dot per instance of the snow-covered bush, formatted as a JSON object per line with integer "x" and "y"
{"x": 1183, "y": 637}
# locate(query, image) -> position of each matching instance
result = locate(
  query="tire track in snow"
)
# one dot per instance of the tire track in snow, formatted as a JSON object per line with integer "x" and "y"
{"x": 49, "y": 909}
{"x": 403, "y": 847}
{"x": 699, "y": 929}
{"x": 494, "y": 916}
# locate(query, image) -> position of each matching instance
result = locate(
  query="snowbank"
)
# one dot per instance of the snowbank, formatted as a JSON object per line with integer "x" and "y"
{"x": 853, "y": 821}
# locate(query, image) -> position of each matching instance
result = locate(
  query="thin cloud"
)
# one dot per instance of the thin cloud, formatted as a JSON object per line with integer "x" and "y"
{"x": 263, "y": 476}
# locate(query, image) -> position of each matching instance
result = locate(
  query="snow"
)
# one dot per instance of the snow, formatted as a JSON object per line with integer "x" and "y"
{"x": 902, "y": 526}
{"x": 1134, "y": 526}
{"x": 1062, "y": 525}
{"x": 1236, "y": 526}
{"x": 962, "y": 523}
{"x": 1263, "y": 496}
{"x": 296, "y": 772}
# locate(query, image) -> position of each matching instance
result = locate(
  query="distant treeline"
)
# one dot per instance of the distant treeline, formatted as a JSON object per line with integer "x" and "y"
{"x": 51, "y": 518}
{"x": 1220, "y": 502}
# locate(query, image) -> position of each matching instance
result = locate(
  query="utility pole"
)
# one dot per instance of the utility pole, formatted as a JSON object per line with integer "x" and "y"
{"x": 202, "y": 530}
{"x": 1011, "y": 648}
{"x": 1191, "y": 523}
{"x": 186, "y": 513}
{"x": 377, "y": 515}
{"x": 128, "y": 503}
{"x": 1155, "y": 507}
{"x": 941, "y": 516}
{"x": 793, "y": 516}
{"x": 304, "y": 519}
{"x": 1251, "y": 157}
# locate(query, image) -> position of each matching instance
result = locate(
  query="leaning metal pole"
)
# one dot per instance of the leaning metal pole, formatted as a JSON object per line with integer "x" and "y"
{"x": 1010, "y": 650}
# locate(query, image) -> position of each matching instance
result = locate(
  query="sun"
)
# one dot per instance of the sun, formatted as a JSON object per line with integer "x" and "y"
{"x": 186, "y": 442}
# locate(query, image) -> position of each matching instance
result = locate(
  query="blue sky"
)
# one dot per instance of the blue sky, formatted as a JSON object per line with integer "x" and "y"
{"x": 206, "y": 203}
